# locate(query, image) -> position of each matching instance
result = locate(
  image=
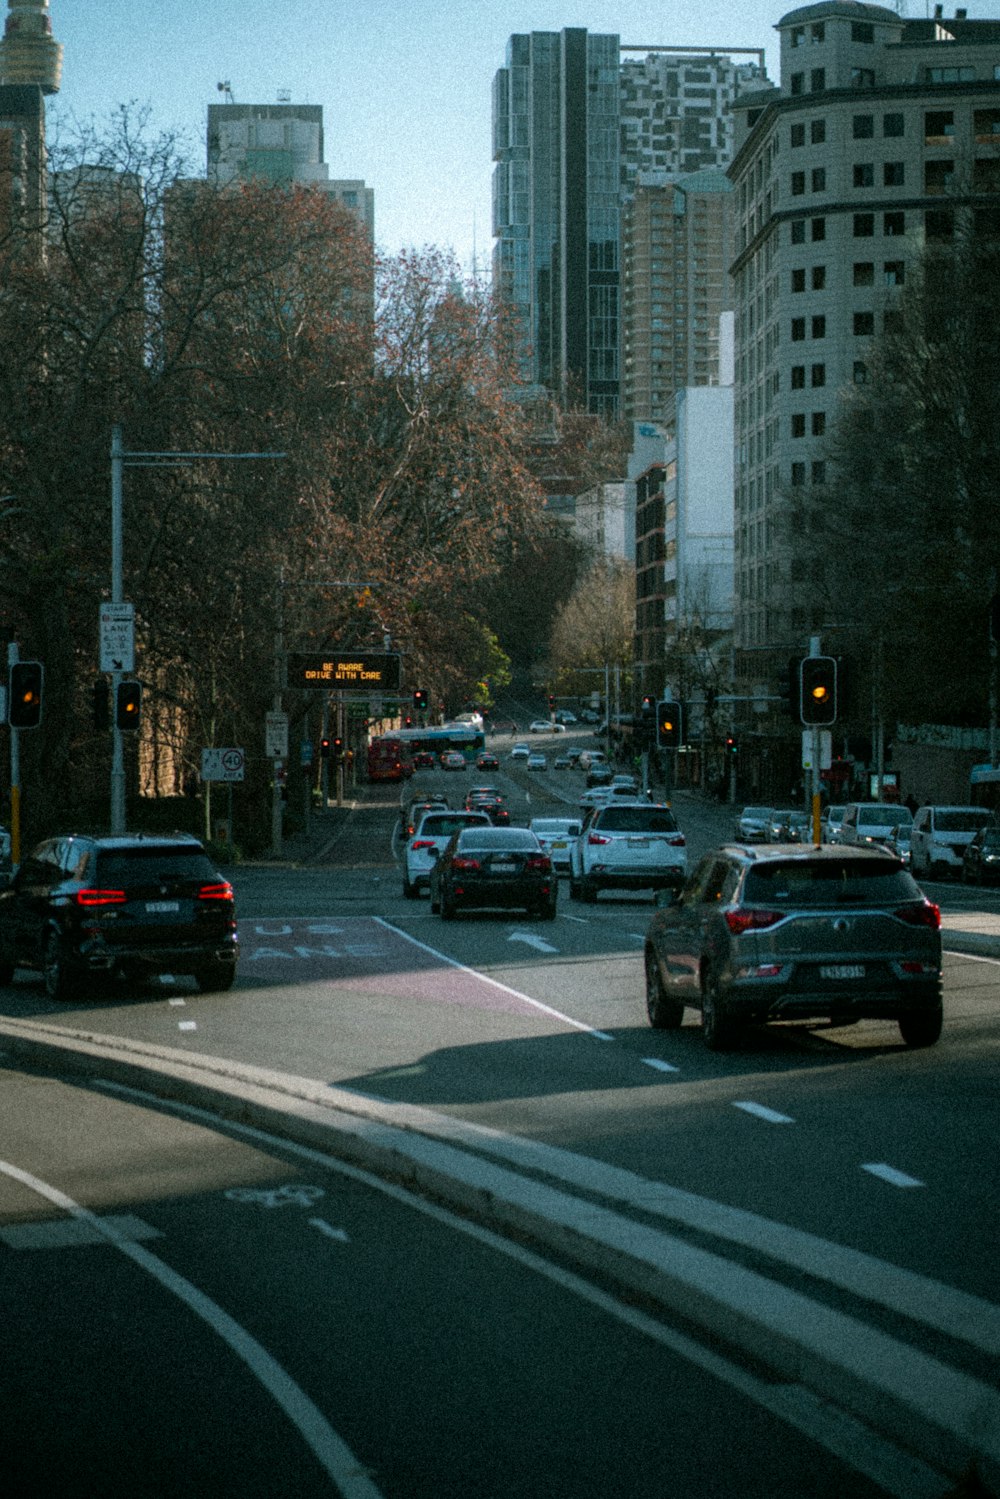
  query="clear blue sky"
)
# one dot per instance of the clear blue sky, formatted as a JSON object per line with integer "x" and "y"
{"x": 404, "y": 84}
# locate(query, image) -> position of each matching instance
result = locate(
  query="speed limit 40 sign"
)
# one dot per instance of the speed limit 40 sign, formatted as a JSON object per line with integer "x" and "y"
{"x": 222, "y": 764}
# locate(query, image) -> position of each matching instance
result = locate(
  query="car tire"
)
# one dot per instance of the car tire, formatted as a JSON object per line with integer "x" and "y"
{"x": 546, "y": 911}
{"x": 921, "y": 1027}
{"x": 410, "y": 891}
{"x": 664, "y": 1014}
{"x": 215, "y": 978}
{"x": 447, "y": 908}
{"x": 57, "y": 982}
{"x": 6, "y": 974}
{"x": 717, "y": 1026}
{"x": 588, "y": 892}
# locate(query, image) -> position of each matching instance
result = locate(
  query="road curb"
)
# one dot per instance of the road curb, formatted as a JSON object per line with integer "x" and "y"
{"x": 944, "y": 1416}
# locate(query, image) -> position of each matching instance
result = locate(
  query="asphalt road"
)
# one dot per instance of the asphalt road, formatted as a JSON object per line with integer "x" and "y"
{"x": 832, "y": 1159}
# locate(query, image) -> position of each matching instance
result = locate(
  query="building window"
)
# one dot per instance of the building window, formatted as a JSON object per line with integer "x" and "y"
{"x": 819, "y": 179}
{"x": 819, "y": 471}
{"x": 798, "y": 135}
{"x": 862, "y": 78}
{"x": 939, "y": 177}
{"x": 949, "y": 75}
{"x": 939, "y": 224}
{"x": 864, "y": 225}
{"x": 798, "y": 377}
{"x": 864, "y": 127}
{"x": 862, "y": 31}
{"x": 818, "y": 229}
{"x": 798, "y": 280}
{"x": 864, "y": 174}
{"x": 797, "y": 84}
{"x": 939, "y": 126}
{"x": 986, "y": 127}
{"x": 817, "y": 32}
{"x": 798, "y": 184}
{"x": 798, "y": 474}
{"x": 799, "y": 424}
{"x": 797, "y": 36}
{"x": 817, "y": 80}
{"x": 819, "y": 327}
{"x": 864, "y": 273}
{"x": 895, "y": 272}
{"x": 818, "y": 375}
{"x": 798, "y": 329}
{"x": 893, "y": 174}
{"x": 894, "y": 224}
{"x": 798, "y": 234}
{"x": 819, "y": 278}
{"x": 893, "y": 321}
{"x": 860, "y": 372}
{"x": 818, "y": 423}
{"x": 893, "y": 124}
{"x": 864, "y": 324}
{"x": 817, "y": 132}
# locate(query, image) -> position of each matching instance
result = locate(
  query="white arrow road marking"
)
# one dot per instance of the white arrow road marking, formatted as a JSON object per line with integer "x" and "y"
{"x": 532, "y": 941}
{"x": 328, "y": 1229}
{"x": 660, "y": 1066}
{"x": 891, "y": 1175}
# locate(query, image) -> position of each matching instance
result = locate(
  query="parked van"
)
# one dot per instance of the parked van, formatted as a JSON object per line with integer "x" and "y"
{"x": 873, "y": 822}
{"x": 939, "y": 838}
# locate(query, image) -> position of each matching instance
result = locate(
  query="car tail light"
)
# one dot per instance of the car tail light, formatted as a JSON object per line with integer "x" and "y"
{"x": 677, "y": 841}
{"x": 221, "y": 891}
{"x": 749, "y": 920}
{"x": 920, "y": 913}
{"x": 597, "y": 838}
{"x": 465, "y": 863}
{"x": 100, "y": 897}
{"x": 541, "y": 863}
{"x": 423, "y": 843}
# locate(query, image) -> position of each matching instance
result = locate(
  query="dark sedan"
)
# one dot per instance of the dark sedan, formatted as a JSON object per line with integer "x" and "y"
{"x": 981, "y": 858}
{"x": 494, "y": 867}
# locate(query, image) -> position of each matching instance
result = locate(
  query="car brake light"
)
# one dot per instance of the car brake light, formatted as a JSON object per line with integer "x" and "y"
{"x": 597, "y": 838}
{"x": 223, "y": 891}
{"x": 677, "y": 841}
{"x": 540, "y": 862}
{"x": 921, "y": 913}
{"x": 100, "y": 897}
{"x": 749, "y": 920}
{"x": 423, "y": 843}
{"x": 464, "y": 863}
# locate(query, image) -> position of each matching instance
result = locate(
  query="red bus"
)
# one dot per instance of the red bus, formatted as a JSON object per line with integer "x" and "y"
{"x": 389, "y": 759}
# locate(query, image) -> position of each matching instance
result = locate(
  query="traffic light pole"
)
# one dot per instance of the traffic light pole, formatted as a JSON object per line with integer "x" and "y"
{"x": 13, "y": 657}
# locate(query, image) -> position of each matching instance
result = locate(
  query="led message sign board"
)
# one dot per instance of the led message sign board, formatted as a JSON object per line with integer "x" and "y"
{"x": 345, "y": 671}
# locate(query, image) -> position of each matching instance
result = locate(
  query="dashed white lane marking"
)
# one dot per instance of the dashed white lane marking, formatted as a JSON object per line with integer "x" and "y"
{"x": 660, "y": 1066}
{"x": 187, "y": 1025}
{"x": 329, "y": 1231}
{"x": 891, "y": 1175}
{"x": 330, "y": 1450}
{"x": 483, "y": 978}
{"x": 760, "y": 1111}
{"x": 177, "y": 1002}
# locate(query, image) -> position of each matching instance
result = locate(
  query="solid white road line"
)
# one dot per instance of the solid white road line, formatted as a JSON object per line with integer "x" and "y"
{"x": 760, "y": 1111}
{"x": 330, "y": 1451}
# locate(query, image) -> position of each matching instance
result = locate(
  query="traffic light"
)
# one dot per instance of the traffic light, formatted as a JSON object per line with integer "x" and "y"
{"x": 420, "y": 699}
{"x": 552, "y": 702}
{"x": 324, "y": 749}
{"x": 789, "y": 688}
{"x": 648, "y": 706}
{"x": 818, "y": 678}
{"x": 337, "y": 747}
{"x": 732, "y": 747}
{"x": 128, "y": 705}
{"x": 668, "y": 725}
{"x": 24, "y": 698}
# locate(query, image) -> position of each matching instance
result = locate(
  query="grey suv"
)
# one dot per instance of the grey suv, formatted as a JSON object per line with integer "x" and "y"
{"x": 785, "y": 932}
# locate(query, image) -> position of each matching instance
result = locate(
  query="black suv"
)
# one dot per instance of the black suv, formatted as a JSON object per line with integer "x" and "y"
{"x": 786, "y": 932}
{"x": 79, "y": 907}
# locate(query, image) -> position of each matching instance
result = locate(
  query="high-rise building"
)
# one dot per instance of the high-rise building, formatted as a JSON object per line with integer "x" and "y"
{"x": 556, "y": 210}
{"x": 882, "y": 138}
{"x": 30, "y": 68}
{"x": 677, "y": 246}
{"x": 29, "y": 54}
{"x": 279, "y": 143}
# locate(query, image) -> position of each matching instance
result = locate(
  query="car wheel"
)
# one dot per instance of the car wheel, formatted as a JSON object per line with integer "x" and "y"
{"x": 921, "y": 1027}
{"x": 588, "y": 892}
{"x": 547, "y": 910}
{"x": 716, "y": 1024}
{"x": 6, "y": 974}
{"x": 215, "y": 978}
{"x": 410, "y": 891}
{"x": 57, "y": 983}
{"x": 447, "y": 908}
{"x": 664, "y": 1014}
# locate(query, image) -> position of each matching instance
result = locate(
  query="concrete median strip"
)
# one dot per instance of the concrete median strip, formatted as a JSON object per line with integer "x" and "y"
{"x": 605, "y": 1219}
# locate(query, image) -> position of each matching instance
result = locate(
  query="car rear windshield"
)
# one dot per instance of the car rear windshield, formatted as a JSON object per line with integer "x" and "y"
{"x": 959, "y": 822}
{"x": 848, "y": 882}
{"x": 139, "y": 866}
{"x": 637, "y": 820}
{"x": 882, "y": 815}
{"x": 443, "y": 826}
{"x": 494, "y": 839}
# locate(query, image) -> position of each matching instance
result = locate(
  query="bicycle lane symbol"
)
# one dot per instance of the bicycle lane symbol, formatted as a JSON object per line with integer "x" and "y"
{"x": 299, "y": 1195}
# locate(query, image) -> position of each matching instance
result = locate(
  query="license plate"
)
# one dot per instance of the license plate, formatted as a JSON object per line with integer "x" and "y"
{"x": 842, "y": 971}
{"x": 162, "y": 907}
{"x": 559, "y": 843}
{"x": 638, "y": 842}
{"x": 503, "y": 868}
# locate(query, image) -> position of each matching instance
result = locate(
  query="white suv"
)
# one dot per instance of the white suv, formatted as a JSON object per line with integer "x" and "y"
{"x": 432, "y": 835}
{"x": 939, "y": 838}
{"x": 627, "y": 846}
